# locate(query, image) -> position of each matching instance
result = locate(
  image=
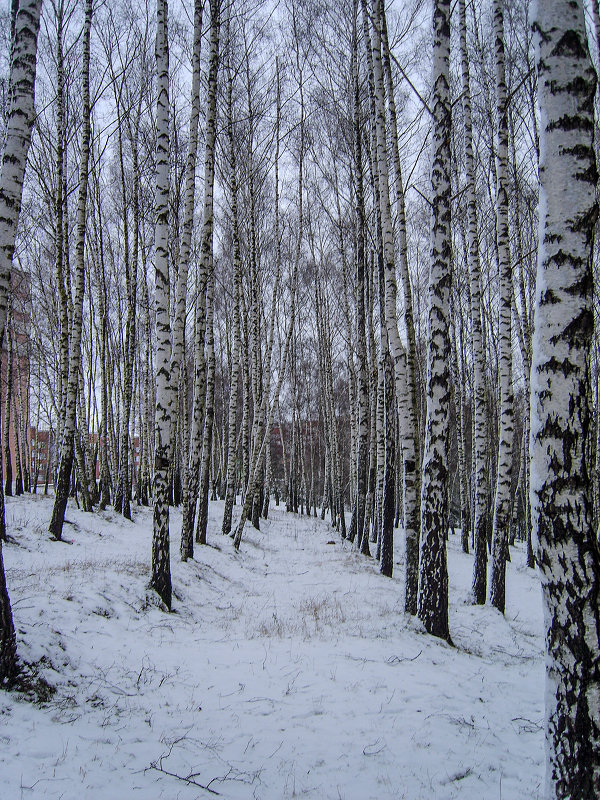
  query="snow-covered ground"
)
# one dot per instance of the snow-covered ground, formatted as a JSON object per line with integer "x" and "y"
{"x": 287, "y": 670}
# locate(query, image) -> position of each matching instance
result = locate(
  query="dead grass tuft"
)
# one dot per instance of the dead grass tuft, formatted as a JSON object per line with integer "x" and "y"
{"x": 313, "y": 616}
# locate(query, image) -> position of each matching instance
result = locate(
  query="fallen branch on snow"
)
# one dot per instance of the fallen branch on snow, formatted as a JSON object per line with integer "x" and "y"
{"x": 189, "y": 779}
{"x": 399, "y": 659}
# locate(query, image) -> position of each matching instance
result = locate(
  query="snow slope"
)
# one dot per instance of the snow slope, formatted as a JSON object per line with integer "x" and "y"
{"x": 287, "y": 670}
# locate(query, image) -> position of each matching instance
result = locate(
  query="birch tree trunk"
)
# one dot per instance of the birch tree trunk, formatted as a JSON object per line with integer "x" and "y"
{"x": 383, "y": 251}
{"x": 205, "y": 266}
{"x": 99, "y": 267}
{"x": 502, "y": 508}
{"x": 567, "y": 550}
{"x": 393, "y": 342}
{"x": 160, "y": 579}
{"x": 131, "y": 277}
{"x": 23, "y": 416}
{"x": 123, "y": 488}
{"x": 596, "y": 19}
{"x": 458, "y": 375}
{"x": 324, "y": 339}
{"x": 362, "y": 367}
{"x": 277, "y": 233}
{"x": 17, "y": 137}
{"x": 202, "y": 516}
{"x": 369, "y": 502}
{"x": 480, "y": 510}
{"x": 433, "y": 569}
{"x": 246, "y": 392}
{"x": 149, "y": 398}
{"x": 409, "y": 409}
{"x": 3, "y": 536}
{"x": 178, "y": 349}
{"x": 8, "y": 406}
{"x": 523, "y": 319}
{"x": 12, "y": 172}
{"x": 60, "y": 225}
{"x": 67, "y": 445}
{"x": 18, "y": 464}
{"x": 236, "y": 333}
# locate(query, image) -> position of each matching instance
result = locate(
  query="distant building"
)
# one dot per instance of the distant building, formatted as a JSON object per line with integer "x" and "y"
{"x": 97, "y": 443}
{"x": 20, "y": 321}
{"x": 41, "y": 455}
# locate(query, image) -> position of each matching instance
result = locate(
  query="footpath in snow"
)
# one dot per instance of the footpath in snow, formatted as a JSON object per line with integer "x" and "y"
{"x": 287, "y": 670}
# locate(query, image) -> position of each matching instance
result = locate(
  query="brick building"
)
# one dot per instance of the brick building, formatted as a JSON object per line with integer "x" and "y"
{"x": 20, "y": 321}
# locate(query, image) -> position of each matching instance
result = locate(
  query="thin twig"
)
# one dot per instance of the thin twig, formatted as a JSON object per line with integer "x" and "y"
{"x": 398, "y": 659}
{"x": 189, "y": 779}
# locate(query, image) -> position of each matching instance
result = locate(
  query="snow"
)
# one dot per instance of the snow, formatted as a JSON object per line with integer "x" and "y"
{"x": 287, "y": 670}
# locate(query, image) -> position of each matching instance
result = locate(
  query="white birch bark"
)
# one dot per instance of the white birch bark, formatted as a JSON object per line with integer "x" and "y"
{"x": 502, "y": 507}
{"x": 362, "y": 367}
{"x": 189, "y": 197}
{"x": 207, "y": 444}
{"x": 458, "y": 376}
{"x": 100, "y": 275}
{"x": 524, "y": 325}
{"x": 433, "y": 569}
{"x": 246, "y": 391}
{"x": 160, "y": 579}
{"x": 67, "y": 445}
{"x": 409, "y": 410}
{"x": 479, "y": 422}
{"x": 8, "y": 404}
{"x": 205, "y": 266}
{"x": 148, "y": 431}
{"x": 567, "y": 550}
{"x": 12, "y": 172}
{"x": 596, "y": 19}
{"x": 372, "y": 384}
{"x": 122, "y": 500}
{"x": 17, "y": 137}
{"x": 268, "y": 466}
{"x": 382, "y": 475}
{"x": 59, "y": 224}
{"x": 394, "y": 343}
{"x": 16, "y": 433}
{"x": 324, "y": 347}
{"x": 177, "y": 348}
{"x": 236, "y": 333}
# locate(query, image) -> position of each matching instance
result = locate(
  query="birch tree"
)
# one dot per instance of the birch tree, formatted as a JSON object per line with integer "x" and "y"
{"x": 407, "y": 379}
{"x": 237, "y": 280}
{"x": 12, "y": 172}
{"x": 178, "y": 349}
{"x": 205, "y": 267}
{"x": 362, "y": 387}
{"x": 161, "y": 570}
{"x": 8, "y": 404}
{"x": 479, "y": 422}
{"x": 391, "y": 342}
{"x": 502, "y": 506}
{"x": 63, "y": 479}
{"x": 561, "y": 497}
{"x": 209, "y": 413}
{"x": 433, "y": 569}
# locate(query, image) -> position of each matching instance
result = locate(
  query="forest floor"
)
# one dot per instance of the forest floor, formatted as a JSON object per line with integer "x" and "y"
{"x": 287, "y": 670}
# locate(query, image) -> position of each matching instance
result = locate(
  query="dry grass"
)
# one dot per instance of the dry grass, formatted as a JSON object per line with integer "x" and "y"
{"x": 132, "y": 566}
{"x": 313, "y": 615}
